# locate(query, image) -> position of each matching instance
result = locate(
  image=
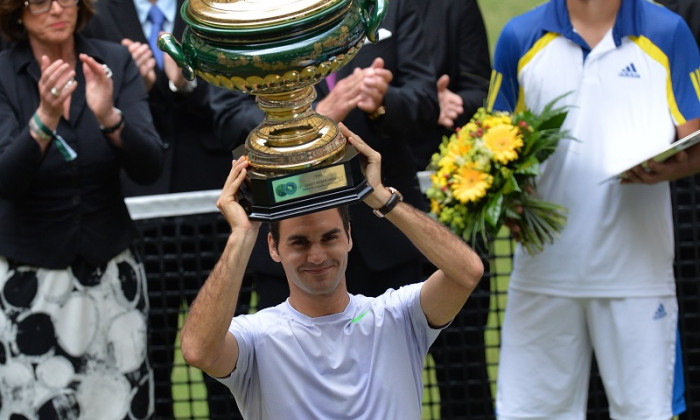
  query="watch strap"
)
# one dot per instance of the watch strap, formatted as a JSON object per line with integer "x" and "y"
{"x": 393, "y": 200}
{"x": 115, "y": 127}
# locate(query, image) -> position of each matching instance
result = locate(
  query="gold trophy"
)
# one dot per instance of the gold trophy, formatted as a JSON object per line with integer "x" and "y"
{"x": 278, "y": 50}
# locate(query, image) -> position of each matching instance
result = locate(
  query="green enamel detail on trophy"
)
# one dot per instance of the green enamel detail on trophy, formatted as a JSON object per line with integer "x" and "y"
{"x": 278, "y": 50}
{"x": 309, "y": 183}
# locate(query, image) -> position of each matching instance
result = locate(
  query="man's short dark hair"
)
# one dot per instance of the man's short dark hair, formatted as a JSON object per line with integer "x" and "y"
{"x": 344, "y": 216}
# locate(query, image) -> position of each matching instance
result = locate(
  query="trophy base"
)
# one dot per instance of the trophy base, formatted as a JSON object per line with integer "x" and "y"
{"x": 273, "y": 198}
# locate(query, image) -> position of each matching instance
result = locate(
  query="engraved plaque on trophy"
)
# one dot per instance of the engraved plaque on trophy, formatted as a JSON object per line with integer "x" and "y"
{"x": 278, "y": 50}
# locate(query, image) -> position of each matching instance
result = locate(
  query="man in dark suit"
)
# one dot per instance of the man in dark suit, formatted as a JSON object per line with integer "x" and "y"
{"x": 195, "y": 160}
{"x": 456, "y": 36}
{"x": 387, "y": 95}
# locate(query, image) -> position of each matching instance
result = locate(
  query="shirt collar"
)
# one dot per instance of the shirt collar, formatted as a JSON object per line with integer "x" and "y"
{"x": 628, "y": 22}
{"x": 168, "y": 7}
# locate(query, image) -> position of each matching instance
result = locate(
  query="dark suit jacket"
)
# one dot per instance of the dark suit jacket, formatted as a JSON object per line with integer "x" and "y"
{"x": 411, "y": 110}
{"x": 456, "y": 36}
{"x": 195, "y": 159}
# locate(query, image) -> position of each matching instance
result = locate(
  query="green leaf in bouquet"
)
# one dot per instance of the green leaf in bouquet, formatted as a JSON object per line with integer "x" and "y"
{"x": 531, "y": 145}
{"x": 510, "y": 211}
{"x": 492, "y": 211}
{"x": 554, "y": 121}
{"x": 530, "y": 167}
{"x": 540, "y": 223}
{"x": 551, "y": 117}
{"x": 511, "y": 184}
{"x": 477, "y": 228}
{"x": 550, "y": 141}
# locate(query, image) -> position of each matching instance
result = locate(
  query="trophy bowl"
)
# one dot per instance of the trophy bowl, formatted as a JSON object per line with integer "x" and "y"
{"x": 278, "y": 50}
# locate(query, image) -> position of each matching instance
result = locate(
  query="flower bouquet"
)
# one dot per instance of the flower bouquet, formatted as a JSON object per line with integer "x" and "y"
{"x": 484, "y": 175}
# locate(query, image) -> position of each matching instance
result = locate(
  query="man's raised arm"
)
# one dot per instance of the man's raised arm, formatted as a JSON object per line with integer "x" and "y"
{"x": 206, "y": 342}
{"x": 459, "y": 267}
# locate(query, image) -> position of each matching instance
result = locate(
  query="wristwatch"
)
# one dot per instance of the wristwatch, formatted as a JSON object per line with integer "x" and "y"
{"x": 395, "y": 198}
{"x": 115, "y": 127}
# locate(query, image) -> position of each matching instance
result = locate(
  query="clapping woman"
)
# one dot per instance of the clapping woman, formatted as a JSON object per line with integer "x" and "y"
{"x": 73, "y": 113}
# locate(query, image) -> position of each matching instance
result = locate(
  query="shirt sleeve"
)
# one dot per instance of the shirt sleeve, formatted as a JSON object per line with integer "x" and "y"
{"x": 240, "y": 378}
{"x": 504, "y": 88}
{"x": 406, "y": 300}
{"x": 684, "y": 63}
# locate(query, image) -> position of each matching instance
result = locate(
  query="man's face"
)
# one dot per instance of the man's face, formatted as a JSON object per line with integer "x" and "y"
{"x": 313, "y": 250}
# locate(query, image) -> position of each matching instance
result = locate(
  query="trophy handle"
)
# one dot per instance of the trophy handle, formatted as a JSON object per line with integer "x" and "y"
{"x": 373, "y": 12}
{"x": 168, "y": 44}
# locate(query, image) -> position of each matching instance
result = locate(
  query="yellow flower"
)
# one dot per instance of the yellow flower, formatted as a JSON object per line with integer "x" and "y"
{"x": 464, "y": 133}
{"x": 496, "y": 120}
{"x": 504, "y": 141}
{"x": 439, "y": 178}
{"x": 470, "y": 184}
{"x": 456, "y": 149}
{"x": 447, "y": 163}
{"x": 435, "y": 206}
{"x": 459, "y": 147}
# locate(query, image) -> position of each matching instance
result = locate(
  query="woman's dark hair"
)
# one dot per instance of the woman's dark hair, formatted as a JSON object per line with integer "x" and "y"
{"x": 344, "y": 216}
{"x": 11, "y": 14}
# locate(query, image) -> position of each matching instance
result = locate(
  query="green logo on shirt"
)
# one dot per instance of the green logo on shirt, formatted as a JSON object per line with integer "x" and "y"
{"x": 359, "y": 317}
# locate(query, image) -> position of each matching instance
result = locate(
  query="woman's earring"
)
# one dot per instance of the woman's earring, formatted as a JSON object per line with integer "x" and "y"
{"x": 19, "y": 21}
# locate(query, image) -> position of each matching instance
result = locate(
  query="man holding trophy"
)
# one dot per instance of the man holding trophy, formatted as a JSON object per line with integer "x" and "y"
{"x": 325, "y": 353}
{"x": 298, "y": 171}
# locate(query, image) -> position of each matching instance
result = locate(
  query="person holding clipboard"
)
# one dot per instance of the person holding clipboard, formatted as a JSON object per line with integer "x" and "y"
{"x": 606, "y": 285}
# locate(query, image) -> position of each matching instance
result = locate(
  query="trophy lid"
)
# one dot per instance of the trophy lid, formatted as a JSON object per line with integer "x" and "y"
{"x": 251, "y": 16}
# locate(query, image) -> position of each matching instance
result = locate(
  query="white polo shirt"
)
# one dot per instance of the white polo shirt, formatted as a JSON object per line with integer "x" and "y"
{"x": 626, "y": 95}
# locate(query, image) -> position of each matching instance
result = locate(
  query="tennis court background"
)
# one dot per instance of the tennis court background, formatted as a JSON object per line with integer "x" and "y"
{"x": 182, "y": 248}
